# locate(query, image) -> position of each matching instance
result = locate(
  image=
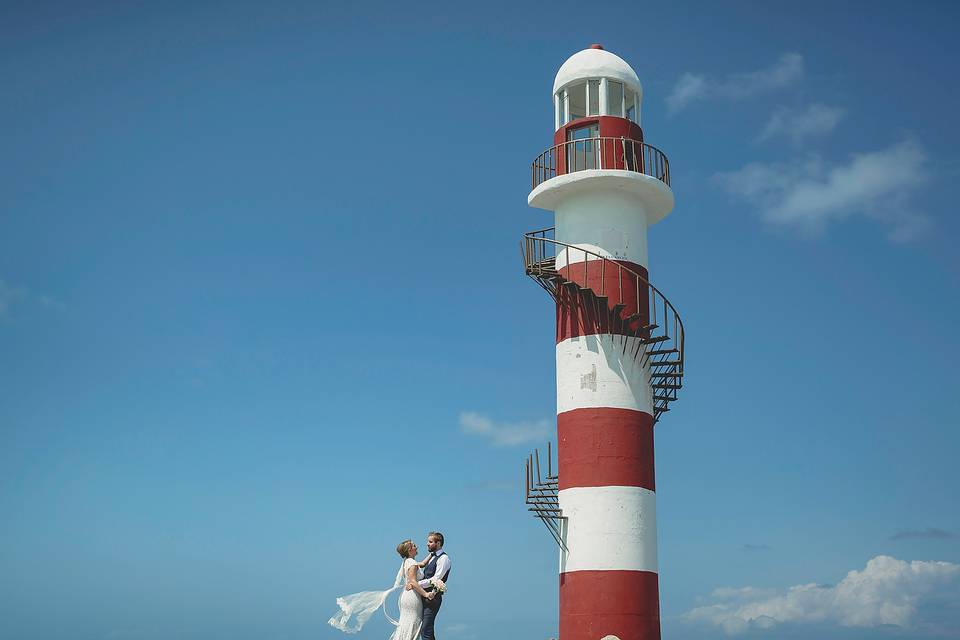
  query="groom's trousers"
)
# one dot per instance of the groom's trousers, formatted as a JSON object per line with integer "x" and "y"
{"x": 430, "y": 609}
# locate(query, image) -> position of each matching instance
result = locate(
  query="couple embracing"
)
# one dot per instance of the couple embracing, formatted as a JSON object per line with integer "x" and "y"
{"x": 423, "y": 590}
{"x": 423, "y": 583}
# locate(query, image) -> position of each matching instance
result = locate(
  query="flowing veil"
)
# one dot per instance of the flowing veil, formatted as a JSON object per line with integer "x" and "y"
{"x": 356, "y": 608}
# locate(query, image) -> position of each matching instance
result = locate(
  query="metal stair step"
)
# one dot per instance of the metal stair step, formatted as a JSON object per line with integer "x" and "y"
{"x": 666, "y": 363}
{"x": 644, "y": 329}
{"x": 654, "y": 340}
{"x": 667, "y": 374}
{"x": 667, "y": 386}
{"x": 662, "y": 352}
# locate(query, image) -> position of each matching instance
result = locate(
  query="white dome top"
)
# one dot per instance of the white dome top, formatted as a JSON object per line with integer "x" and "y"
{"x": 596, "y": 63}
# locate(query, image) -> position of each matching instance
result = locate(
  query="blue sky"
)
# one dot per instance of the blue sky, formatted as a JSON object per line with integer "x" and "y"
{"x": 257, "y": 264}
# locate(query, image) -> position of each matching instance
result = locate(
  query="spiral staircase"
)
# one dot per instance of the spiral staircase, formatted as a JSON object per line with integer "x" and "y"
{"x": 647, "y": 315}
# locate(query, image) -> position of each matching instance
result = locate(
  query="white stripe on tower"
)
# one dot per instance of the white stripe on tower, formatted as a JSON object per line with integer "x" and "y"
{"x": 600, "y": 371}
{"x": 610, "y": 528}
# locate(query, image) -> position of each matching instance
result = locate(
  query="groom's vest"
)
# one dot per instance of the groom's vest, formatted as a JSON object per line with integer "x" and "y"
{"x": 431, "y": 569}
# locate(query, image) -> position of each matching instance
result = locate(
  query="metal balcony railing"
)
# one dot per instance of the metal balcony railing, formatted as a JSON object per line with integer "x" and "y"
{"x": 601, "y": 153}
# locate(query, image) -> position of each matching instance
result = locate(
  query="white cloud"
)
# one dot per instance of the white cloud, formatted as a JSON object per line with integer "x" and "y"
{"x": 11, "y": 296}
{"x": 691, "y": 87}
{"x": 503, "y": 434}
{"x": 787, "y": 70}
{"x": 886, "y": 592}
{"x": 816, "y": 119}
{"x": 49, "y": 302}
{"x": 808, "y": 194}
{"x": 8, "y": 296}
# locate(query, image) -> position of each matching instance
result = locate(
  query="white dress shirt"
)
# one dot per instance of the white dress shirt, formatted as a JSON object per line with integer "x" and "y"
{"x": 443, "y": 565}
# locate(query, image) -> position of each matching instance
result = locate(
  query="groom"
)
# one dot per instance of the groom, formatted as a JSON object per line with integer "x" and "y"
{"x": 438, "y": 566}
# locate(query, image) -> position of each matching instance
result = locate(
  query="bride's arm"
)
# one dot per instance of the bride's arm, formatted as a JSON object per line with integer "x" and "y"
{"x": 412, "y": 581}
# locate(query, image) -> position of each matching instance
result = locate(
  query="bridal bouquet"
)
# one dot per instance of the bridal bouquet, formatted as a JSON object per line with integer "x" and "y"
{"x": 438, "y": 585}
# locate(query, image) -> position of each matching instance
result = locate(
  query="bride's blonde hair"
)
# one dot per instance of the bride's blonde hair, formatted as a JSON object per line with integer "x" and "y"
{"x": 404, "y": 548}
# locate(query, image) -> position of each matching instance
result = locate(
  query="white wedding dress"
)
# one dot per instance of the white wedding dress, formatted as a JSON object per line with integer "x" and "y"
{"x": 356, "y": 608}
{"x": 411, "y": 609}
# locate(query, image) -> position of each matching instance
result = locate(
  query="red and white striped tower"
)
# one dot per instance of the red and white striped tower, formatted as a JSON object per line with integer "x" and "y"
{"x": 618, "y": 365}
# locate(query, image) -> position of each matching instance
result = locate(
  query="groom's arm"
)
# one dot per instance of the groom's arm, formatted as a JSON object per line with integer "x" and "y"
{"x": 443, "y": 565}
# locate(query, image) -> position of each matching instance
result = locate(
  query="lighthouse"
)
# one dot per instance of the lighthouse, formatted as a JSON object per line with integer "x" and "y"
{"x": 619, "y": 348}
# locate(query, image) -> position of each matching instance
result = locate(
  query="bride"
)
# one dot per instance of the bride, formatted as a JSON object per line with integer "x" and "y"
{"x": 357, "y": 608}
{"x": 411, "y": 606}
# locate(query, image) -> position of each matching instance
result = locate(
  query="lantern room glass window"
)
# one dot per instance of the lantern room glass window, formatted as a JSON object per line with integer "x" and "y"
{"x": 615, "y": 98}
{"x": 577, "y": 97}
{"x": 593, "y": 97}
{"x": 630, "y": 103}
{"x": 584, "y": 99}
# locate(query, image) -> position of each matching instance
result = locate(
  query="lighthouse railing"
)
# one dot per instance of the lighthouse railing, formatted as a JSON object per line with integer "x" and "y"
{"x": 624, "y": 154}
{"x": 618, "y": 300}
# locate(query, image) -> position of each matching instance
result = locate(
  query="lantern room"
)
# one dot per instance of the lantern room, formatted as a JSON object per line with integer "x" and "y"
{"x": 596, "y": 95}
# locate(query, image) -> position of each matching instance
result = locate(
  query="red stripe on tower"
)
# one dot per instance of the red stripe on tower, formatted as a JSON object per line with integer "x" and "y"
{"x": 594, "y": 604}
{"x": 622, "y": 283}
{"x": 600, "y": 446}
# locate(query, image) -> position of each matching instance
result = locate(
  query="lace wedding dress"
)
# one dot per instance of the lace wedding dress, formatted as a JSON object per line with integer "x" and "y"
{"x": 356, "y": 608}
{"x": 411, "y": 609}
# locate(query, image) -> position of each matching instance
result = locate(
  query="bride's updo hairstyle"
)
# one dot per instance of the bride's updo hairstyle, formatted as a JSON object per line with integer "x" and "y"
{"x": 404, "y": 548}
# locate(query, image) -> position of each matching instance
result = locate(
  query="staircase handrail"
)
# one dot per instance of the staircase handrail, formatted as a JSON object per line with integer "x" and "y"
{"x": 534, "y": 260}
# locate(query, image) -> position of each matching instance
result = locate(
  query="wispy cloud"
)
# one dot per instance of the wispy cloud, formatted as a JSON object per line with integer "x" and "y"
{"x": 9, "y": 295}
{"x": 19, "y": 296}
{"x": 930, "y": 533}
{"x": 49, "y": 302}
{"x": 886, "y": 592}
{"x": 691, "y": 87}
{"x": 808, "y": 193}
{"x": 503, "y": 433}
{"x": 800, "y": 124}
